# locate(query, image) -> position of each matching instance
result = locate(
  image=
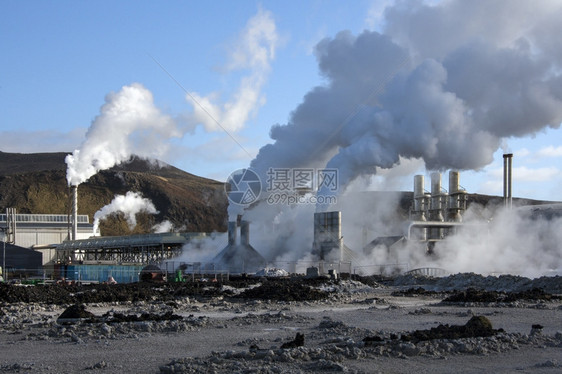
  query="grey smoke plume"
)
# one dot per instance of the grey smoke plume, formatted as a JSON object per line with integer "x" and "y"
{"x": 129, "y": 204}
{"x": 128, "y": 123}
{"x": 443, "y": 83}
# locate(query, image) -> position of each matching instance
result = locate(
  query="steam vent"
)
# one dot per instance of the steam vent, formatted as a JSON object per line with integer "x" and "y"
{"x": 239, "y": 257}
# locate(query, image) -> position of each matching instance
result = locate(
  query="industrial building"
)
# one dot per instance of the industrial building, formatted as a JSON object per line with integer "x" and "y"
{"x": 132, "y": 249}
{"x": 39, "y": 229}
{"x": 41, "y": 232}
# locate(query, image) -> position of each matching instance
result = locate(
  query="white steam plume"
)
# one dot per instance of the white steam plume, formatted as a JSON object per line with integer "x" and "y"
{"x": 163, "y": 227}
{"x": 129, "y": 204}
{"x": 446, "y": 84}
{"x": 476, "y": 73}
{"x": 513, "y": 242}
{"x": 128, "y": 122}
{"x": 254, "y": 51}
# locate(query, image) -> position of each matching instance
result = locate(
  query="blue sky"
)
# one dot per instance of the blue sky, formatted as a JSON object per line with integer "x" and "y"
{"x": 60, "y": 59}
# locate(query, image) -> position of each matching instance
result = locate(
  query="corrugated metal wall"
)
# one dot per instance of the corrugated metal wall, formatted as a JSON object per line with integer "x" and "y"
{"x": 100, "y": 273}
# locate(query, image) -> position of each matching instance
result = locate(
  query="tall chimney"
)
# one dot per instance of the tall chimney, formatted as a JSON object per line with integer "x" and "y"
{"x": 507, "y": 180}
{"x": 419, "y": 198}
{"x": 456, "y": 197}
{"x": 436, "y": 196}
{"x": 232, "y": 233}
{"x": 74, "y": 212}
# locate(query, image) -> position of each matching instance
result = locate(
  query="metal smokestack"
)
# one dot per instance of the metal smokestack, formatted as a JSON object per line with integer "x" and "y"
{"x": 244, "y": 233}
{"x": 457, "y": 197}
{"x": 507, "y": 180}
{"x": 74, "y": 212}
{"x": 420, "y": 205}
{"x": 435, "y": 211}
{"x": 420, "y": 198}
{"x": 232, "y": 233}
{"x": 436, "y": 198}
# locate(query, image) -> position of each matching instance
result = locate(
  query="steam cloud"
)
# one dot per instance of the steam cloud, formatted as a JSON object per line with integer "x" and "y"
{"x": 254, "y": 51}
{"x": 513, "y": 242}
{"x": 443, "y": 83}
{"x": 129, "y": 204}
{"x": 128, "y": 122}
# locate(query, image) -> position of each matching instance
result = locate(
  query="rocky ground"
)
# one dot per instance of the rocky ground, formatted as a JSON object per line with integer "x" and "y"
{"x": 460, "y": 323}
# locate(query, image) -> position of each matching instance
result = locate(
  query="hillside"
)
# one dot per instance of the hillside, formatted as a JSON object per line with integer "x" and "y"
{"x": 36, "y": 183}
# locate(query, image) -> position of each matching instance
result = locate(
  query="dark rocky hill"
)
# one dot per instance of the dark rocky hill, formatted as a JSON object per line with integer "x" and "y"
{"x": 36, "y": 183}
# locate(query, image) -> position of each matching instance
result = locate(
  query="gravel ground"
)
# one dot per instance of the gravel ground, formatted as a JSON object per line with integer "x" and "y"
{"x": 222, "y": 333}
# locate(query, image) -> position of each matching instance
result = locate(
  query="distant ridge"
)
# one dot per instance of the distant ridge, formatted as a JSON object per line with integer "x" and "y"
{"x": 36, "y": 183}
{"x": 14, "y": 163}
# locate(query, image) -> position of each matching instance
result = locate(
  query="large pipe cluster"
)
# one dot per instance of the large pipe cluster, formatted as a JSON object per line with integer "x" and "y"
{"x": 437, "y": 206}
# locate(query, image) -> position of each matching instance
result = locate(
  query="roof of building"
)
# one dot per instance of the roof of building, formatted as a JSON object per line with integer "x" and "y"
{"x": 129, "y": 241}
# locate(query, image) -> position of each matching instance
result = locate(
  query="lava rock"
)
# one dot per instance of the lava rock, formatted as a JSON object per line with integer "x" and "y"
{"x": 297, "y": 342}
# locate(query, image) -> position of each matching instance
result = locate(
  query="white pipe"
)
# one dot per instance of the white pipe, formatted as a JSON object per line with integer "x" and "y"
{"x": 453, "y": 182}
{"x": 74, "y": 212}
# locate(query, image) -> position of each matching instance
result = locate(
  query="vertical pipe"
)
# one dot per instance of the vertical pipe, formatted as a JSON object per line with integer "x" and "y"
{"x": 510, "y": 181}
{"x": 418, "y": 186}
{"x": 74, "y": 212}
{"x": 420, "y": 199}
{"x": 507, "y": 179}
{"x": 245, "y": 233}
{"x": 436, "y": 205}
{"x": 455, "y": 195}
{"x": 232, "y": 233}
{"x": 419, "y": 195}
{"x": 453, "y": 182}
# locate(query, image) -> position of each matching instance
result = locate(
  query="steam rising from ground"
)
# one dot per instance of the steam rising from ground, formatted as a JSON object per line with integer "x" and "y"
{"x": 129, "y": 204}
{"x": 509, "y": 242}
{"x": 515, "y": 243}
